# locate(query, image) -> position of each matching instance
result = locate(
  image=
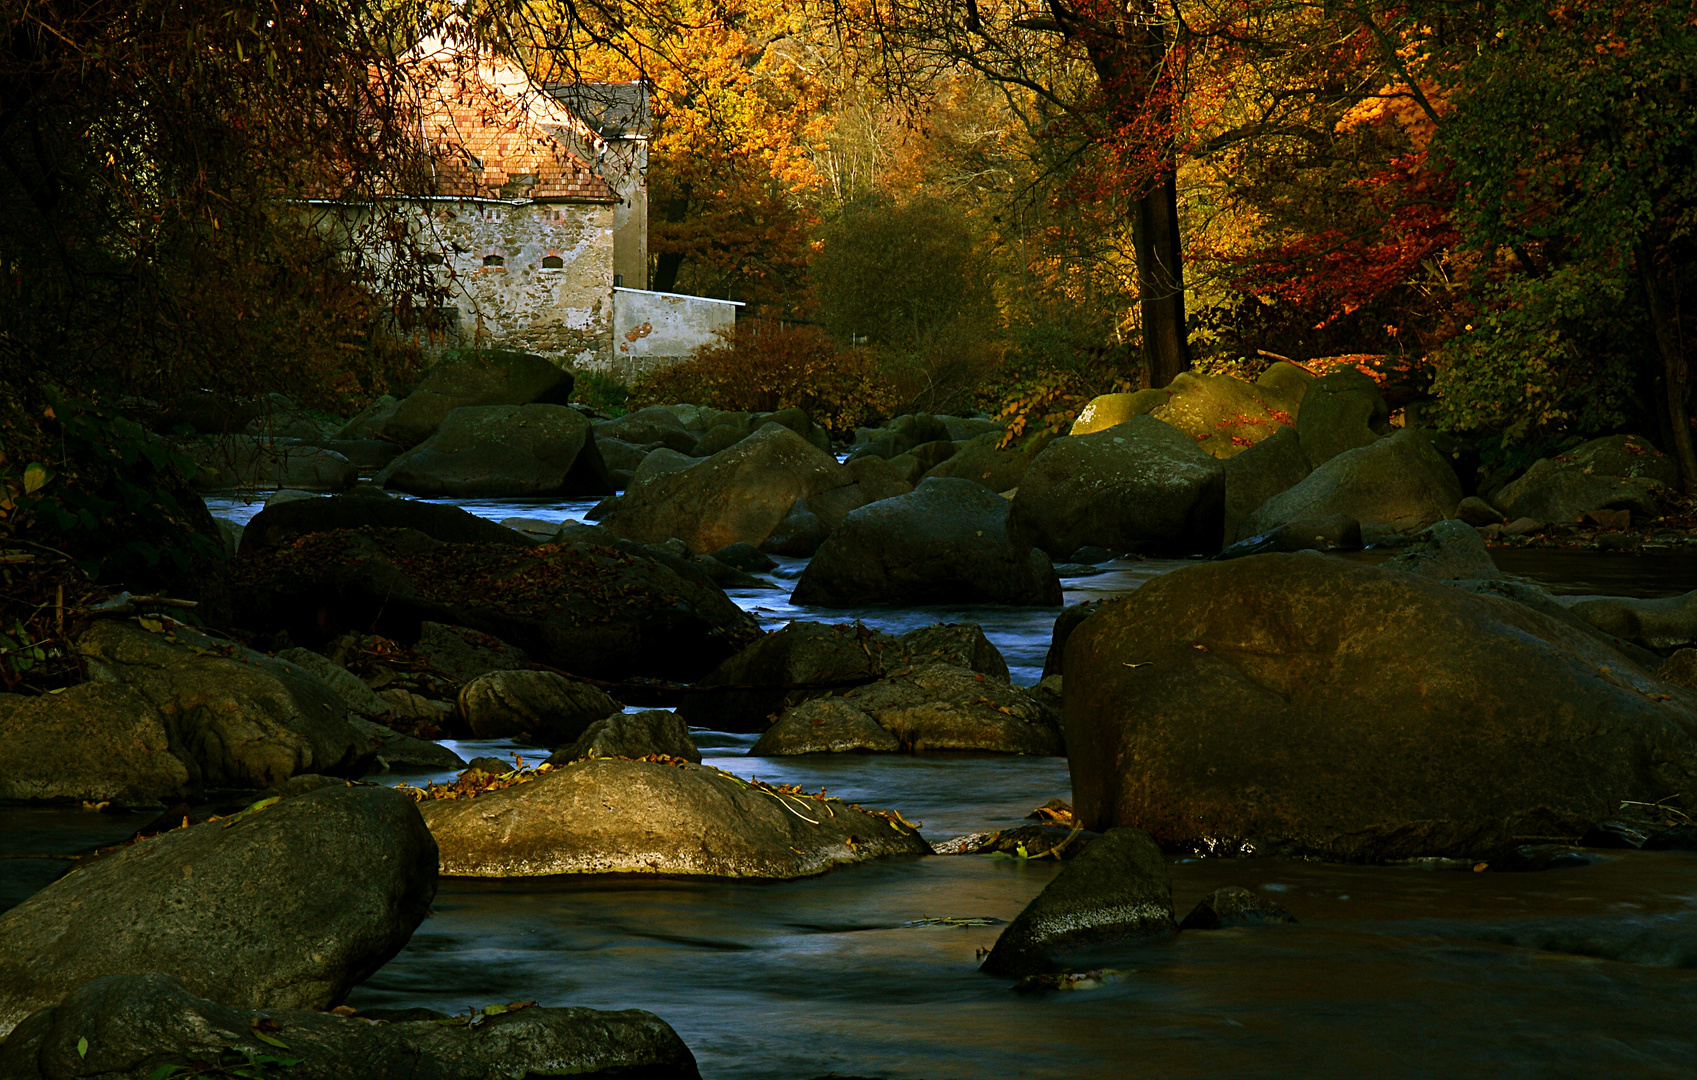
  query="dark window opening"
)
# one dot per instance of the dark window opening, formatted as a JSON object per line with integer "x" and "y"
{"x": 494, "y": 260}
{"x": 553, "y": 262}
{"x": 618, "y": 281}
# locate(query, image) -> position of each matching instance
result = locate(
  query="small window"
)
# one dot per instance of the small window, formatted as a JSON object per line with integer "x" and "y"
{"x": 553, "y": 262}
{"x": 618, "y": 281}
{"x": 494, "y": 260}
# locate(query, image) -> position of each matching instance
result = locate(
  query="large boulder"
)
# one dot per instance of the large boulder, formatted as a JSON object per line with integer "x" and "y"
{"x": 648, "y": 428}
{"x": 122, "y": 1027}
{"x": 944, "y": 543}
{"x": 899, "y": 436}
{"x": 1620, "y": 472}
{"x": 632, "y": 735}
{"x": 481, "y": 378}
{"x": 806, "y": 660}
{"x": 929, "y": 707}
{"x": 539, "y": 707}
{"x": 738, "y": 494}
{"x": 1662, "y": 623}
{"x": 1118, "y": 892}
{"x": 1341, "y": 411}
{"x": 282, "y": 523}
{"x": 1225, "y": 415}
{"x": 168, "y": 714}
{"x": 1449, "y": 551}
{"x": 1270, "y": 467}
{"x": 983, "y": 461}
{"x": 233, "y": 462}
{"x": 1391, "y": 486}
{"x": 1306, "y": 704}
{"x": 462, "y": 654}
{"x": 603, "y": 611}
{"x": 289, "y": 906}
{"x": 368, "y": 425}
{"x": 610, "y": 815}
{"x": 503, "y": 451}
{"x": 1138, "y": 486}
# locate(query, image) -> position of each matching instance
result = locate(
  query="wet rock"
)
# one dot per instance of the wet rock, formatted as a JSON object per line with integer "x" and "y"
{"x": 1118, "y": 892}
{"x": 1339, "y": 532}
{"x": 607, "y": 815}
{"x": 1024, "y": 842}
{"x": 1065, "y": 623}
{"x": 234, "y": 462}
{"x": 538, "y": 706}
{"x": 1274, "y": 702}
{"x": 406, "y": 753}
{"x": 1678, "y": 838}
{"x": 98, "y": 741}
{"x": 131, "y": 1023}
{"x": 1446, "y": 551}
{"x": 945, "y": 543}
{"x": 1274, "y": 465}
{"x": 290, "y": 906}
{"x": 798, "y": 535}
{"x": 1619, "y": 472}
{"x": 632, "y": 735}
{"x": 503, "y": 451}
{"x": 1477, "y": 512}
{"x": 600, "y": 611}
{"x": 960, "y": 644}
{"x": 1666, "y": 623}
{"x": 475, "y": 379}
{"x": 357, "y": 696}
{"x": 738, "y": 494}
{"x": 932, "y": 707}
{"x": 283, "y": 524}
{"x": 1139, "y": 486}
{"x": 1233, "y": 905}
{"x": 1542, "y": 601}
{"x": 1341, "y": 411}
{"x": 489, "y": 766}
{"x": 1397, "y": 484}
{"x": 1614, "y": 835}
{"x": 1666, "y": 942}
{"x": 1680, "y": 669}
{"x": 363, "y": 453}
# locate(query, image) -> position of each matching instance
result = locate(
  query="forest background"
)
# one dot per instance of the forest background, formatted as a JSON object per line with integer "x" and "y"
{"x": 1007, "y": 205}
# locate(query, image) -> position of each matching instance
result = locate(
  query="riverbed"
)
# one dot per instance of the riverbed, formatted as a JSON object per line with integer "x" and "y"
{"x": 1585, "y": 971}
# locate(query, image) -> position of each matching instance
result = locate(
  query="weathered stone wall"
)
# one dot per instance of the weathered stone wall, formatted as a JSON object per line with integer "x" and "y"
{"x": 533, "y": 276}
{"x": 653, "y": 330}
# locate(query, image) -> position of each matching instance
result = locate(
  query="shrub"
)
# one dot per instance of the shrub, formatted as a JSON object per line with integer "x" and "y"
{"x": 1049, "y": 375}
{"x": 762, "y": 366}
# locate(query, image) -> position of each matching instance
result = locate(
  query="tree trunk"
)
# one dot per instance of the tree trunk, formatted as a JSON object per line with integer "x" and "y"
{"x": 1160, "y": 282}
{"x": 1676, "y": 373}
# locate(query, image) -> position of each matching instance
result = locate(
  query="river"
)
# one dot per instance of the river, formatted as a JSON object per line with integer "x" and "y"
{"x": 1581, "y": 972}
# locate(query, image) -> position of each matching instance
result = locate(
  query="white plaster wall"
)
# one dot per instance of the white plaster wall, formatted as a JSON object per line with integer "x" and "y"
{"x": 652, "y": 330}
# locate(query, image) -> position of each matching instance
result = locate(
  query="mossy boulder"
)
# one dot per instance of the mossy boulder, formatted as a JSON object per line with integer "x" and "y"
{"x": 503, "y": 451}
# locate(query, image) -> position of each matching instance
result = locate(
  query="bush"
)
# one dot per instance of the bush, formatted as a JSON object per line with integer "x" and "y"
{"x": 1050, "y": 374}
{"x": 763, "y": 366}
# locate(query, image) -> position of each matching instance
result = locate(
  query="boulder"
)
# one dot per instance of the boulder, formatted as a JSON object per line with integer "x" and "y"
{"x": 1054, "y": 662}
{"x": 806, "y": 660}
{"x": 1447, "y": 551}
{"x": 1272, "y": 466}
{"x": 1225, "y": 415}
{"x": 982, "y": 462}
{"x": 1231, "y": 906}
{"x": 233, "y": 462}
{"x": 1664, "y": 623}
{"x": 1138, "y": 486}
{"x": 609, "y": 815}
{"x": 596, "y": 610}
{"x": 538, "y": 707}
{"x": 1302, "y": 704}
{"x": 371, "y": 420}
{"x": 900, "y": 436}
{"x": 503, "y": 451}
{"x": 480, "y": 378}
{"x": 647, "y": 427}
{"x": 1680, "y": 669}
{"x": 362, "y": 453}
{"x": 1393, "y": 485}
{"x": 358, "y": 697}
{"x": 289, "y": 906}
{"x": 966, "y": 428}
{"x": 1620, "y": 472}
{"x": 1118, "y": 892}
{"x": 101, "y": 742}
{"x": 659, "y": 463}
{"x": 632, "y": 735}
{"x": 130, "y": 1023}
{"x": 945, "y": 543}
{"x": 395, "y": 750}
{"x": 738, "y": 494}
{"x": 232, "y": 716}
{"x": 745, "y": 557}
{"x": 877, "y": 478}
{"x": 622, "y": 457}
{"x": 1111, "y": 410}
{"x": 1341, "y": 411}
{"x": 462, "y": 654}
{"x": 1339, "y": 532}
{"x": 1477, "y": 512}
{"x": 280, "y": 525}
{"x": 928, "y": 707}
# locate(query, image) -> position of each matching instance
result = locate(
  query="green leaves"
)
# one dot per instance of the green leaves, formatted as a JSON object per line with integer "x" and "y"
{"x": 82, "y": 1048}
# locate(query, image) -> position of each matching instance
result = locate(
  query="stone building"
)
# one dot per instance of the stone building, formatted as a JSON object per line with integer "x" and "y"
{"x": 536, "y": 214}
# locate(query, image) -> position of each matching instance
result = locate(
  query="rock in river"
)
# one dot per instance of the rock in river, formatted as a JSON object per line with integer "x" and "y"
{"x": 1623, "y": 472}
{"x": 609, "y": 815}
{"x": 474, "y": 378}
{"x": 503, "y": 451}
{"x": 129, "y": 1024}
{"x": 545, "y": 708}
{"x": 632, "y": 735}
{"x": 1398, "y": 484}
{"x": 946, "y": 542}
{"x": 1303, "y": 703}
{"x": 287, "y": 907}
{"x": 1118, "y": 892}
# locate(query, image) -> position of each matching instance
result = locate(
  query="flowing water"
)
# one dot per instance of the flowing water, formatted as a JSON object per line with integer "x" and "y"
{"x": 1581, "y": 972}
